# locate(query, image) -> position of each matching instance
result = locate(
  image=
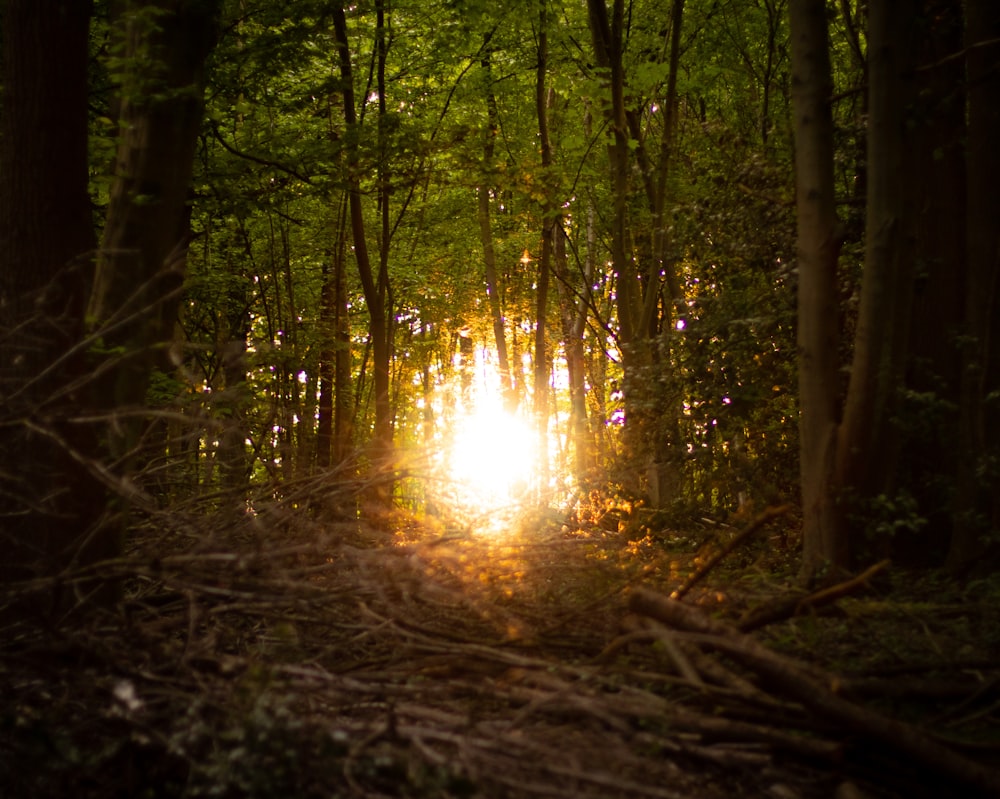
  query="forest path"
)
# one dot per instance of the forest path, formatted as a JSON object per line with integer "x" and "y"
{"x": 397, "y": 658}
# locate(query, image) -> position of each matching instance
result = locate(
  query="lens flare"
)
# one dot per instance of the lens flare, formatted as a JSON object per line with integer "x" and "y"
{"x": 492, "y": 457}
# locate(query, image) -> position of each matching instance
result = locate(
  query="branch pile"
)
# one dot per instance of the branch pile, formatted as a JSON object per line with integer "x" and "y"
{"x": 283, "y": 653}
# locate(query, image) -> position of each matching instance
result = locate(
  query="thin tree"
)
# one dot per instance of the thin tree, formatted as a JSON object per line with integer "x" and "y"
{"x": 818, "y": 248}
{"x": 977, "y": 511}
{"x": 374, "y": 285}
{"x": 486, "y": 229}
{"x": 550, "y": 229}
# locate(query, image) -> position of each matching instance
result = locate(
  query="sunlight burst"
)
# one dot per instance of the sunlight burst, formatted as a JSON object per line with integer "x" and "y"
{"x": 492, "y": 457}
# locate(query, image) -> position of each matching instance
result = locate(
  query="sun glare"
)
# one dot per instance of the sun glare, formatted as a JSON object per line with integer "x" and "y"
{"x": 492, "y": 457}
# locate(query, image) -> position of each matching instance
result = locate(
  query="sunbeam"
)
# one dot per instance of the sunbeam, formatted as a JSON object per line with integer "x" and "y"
{"x": 492, "y": 457}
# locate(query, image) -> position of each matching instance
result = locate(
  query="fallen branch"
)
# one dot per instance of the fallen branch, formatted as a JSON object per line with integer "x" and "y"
{"x": 795, "y": 605}
{"x": 758, "y": 521}
{"x": 817, "y": 691}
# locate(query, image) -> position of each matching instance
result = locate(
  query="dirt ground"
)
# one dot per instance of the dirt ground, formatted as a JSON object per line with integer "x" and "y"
{"x": 281, "y": 654}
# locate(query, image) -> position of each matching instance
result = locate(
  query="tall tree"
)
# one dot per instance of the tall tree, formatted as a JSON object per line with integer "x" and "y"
{"x": 867, "y": 443}
{"x": 977, "y": 513}
{"x": 484, "y": 216}
{"x": 163, "y": 46}
{"x": 374, "y": 282}
{"x": 333, "y": 414}
{"x": 818, "y": 247}
{"x": 927, "y": 418}
{"x": 550, "y": 229}
{"x": 51, "y": 501}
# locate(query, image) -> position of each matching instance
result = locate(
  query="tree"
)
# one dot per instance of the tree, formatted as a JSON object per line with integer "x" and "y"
{"x": 643, "y": 275}
{"x": 484, "y": 192}
{"x": 551, "y": 228}
{"x": 140, "y": 268}
{"x": 853, "y": 475}
{"x": 120, "y": 317}
{"x": 52, "y": 501}
{"x": 977, "y": 512}
{"x": 375, "y": 283}
{"x": 867, "y": 442}
{"x": 817, "y": 248}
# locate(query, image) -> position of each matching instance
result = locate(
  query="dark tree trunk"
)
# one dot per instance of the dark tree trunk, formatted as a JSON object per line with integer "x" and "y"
{"x": 977, "y": 511}
{"x": 868, "y": 441}
{"x": 650, "y": 432}
{"x": 550, "y": 228}
{"x": 375, "y": 286}
{"x": 818, "y": 249}
{"x": 142, "y": 260}
{"x": 50, "y": 498}
{"x": 929, "y": 457}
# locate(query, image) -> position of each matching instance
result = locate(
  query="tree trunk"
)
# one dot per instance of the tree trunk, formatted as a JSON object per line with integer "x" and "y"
{"x": 50, "y": 502}
{"x": 977, "y": 511}
{"x": 868, "y": 443}
{"x": 818, "y": 247}
{"x": 374, "y": 286}
{"x": 608, "y": 40}
{"x": 649, "y": 408}
{"x": 330, "y": 314}
{"x": 141, "y": 263}
{"x": 929, "y": 458}
{"x": 550, "y": 227}
{"x": 663, "y": 467}
{"x": 486, "y": 237}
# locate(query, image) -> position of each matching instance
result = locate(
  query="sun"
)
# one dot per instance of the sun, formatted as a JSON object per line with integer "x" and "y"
{"x": 492, "y": 457}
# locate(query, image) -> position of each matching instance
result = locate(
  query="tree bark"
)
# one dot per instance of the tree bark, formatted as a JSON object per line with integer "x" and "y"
{"x": 141, "y": 264}
{"x": 550, "y": 228}
{"x": 336, "y": 349}
{"x": 868, "y": 444}
{"x": 49, "y": 497}
{"x": 608, "y": 33}
{"x": 977, "y": 512}
{"x": 374, "y": 286}
{"x": 929, "y": 457}
{"x": 486, "y": 235}
{"x": 818, "y": 247}
{"x": 649, "y": 409}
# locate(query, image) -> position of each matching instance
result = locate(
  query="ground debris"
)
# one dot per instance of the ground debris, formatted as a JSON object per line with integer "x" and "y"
{"x": 330, "y": 661}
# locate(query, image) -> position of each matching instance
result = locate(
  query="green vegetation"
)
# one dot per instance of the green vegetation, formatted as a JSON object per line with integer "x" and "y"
{"x": 364, "y": 367}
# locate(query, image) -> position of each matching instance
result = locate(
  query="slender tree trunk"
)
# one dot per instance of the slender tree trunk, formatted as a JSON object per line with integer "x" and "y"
{"x": 649, "y": 410}
{"x": 374, "y": 286}
{"x": 234, "y": 399}
{"x": 343, "y": 409}
{"x": 663, "y": 466}
{"x": 818, "y": 247}
{"x": 608, "y": 39}
{"x": 550, "y": 227}
{"x": 572, "y": 290}
{"x": 384, "y": 415}
{"x": 330, "y": 315}
{"x": 486, "y": 237}
{"x": 977, "y": 512}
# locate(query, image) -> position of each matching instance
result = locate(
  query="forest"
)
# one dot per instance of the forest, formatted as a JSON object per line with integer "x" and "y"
{"x": 574, "y": 398}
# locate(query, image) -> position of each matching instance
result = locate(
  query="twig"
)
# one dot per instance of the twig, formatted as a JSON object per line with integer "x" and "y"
{"x": 759, "y": 521}
{"x": 816, "y": 690}
{"x": 793, "y": 606}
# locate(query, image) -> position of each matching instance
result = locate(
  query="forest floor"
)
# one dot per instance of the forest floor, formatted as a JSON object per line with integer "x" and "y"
{"x": 292, "y": 652}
